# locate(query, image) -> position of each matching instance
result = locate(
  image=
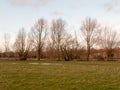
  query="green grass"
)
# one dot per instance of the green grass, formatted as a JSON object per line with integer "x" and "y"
{"x": 20, "y": 75}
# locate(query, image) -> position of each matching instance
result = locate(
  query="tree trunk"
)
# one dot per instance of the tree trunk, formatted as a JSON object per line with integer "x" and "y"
{"x": 58, "y": 53}
{"x": 39, "y": 55}
{"x": 88, "y": 54}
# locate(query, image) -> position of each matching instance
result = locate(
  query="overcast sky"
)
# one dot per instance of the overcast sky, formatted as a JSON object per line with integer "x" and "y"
{"x": 15, "y": 14}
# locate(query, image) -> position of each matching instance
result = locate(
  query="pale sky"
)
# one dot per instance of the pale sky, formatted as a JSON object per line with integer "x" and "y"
{"x": 15, "y": 14}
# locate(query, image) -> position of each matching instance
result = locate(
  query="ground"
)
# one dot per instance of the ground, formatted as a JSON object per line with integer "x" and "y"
{"x": 59, "y": 75}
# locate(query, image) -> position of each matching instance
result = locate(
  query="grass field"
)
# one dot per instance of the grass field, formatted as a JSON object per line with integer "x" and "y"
{"x": 59, "y": 75}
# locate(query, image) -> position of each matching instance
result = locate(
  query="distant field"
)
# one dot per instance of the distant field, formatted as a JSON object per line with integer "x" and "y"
{"x": 59, "y": 75}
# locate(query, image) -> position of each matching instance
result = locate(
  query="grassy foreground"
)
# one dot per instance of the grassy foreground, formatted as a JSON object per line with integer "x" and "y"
{"x": 47, "y": 75}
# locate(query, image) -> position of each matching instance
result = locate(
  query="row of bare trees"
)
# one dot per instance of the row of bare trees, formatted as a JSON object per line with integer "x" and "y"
{"x": 56, "y": 43}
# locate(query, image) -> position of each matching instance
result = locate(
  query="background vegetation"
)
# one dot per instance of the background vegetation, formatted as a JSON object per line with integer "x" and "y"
{"x": 55, "y": 42}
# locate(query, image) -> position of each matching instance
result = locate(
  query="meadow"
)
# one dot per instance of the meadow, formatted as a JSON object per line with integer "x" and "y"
{"x": 59, "y": 75}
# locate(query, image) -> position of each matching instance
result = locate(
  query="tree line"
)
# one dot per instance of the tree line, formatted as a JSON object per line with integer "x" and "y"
{"x": 55, "y": 42}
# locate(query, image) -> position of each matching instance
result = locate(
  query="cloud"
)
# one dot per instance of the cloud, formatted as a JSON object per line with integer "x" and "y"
{"x": 30, "y": 2}
{"x": 112, "y": 5}
{"x": 56, "y": 13}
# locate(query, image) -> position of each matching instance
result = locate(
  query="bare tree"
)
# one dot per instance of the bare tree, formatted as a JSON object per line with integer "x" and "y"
{"x": 109, "y": 42}
{"x": 78, "y": 48}
{"x": 50, "y": 49}
{"x": 90, "y": 34}
{"x": 57, "y": 34}
{"x": 22, "y": 44}
{"x": 67, "y": 47}
{"x": 6, "y": 42}
{"x": 39, "y": 33}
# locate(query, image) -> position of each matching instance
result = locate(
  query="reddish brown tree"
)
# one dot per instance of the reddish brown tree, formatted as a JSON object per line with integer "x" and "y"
{"x": 90, "y": 34}
{"x": 39, "y": 33}
{"x": 109, "y": 41}
{"x": 22, "y": 45}
{"x": 57, "y": 34}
